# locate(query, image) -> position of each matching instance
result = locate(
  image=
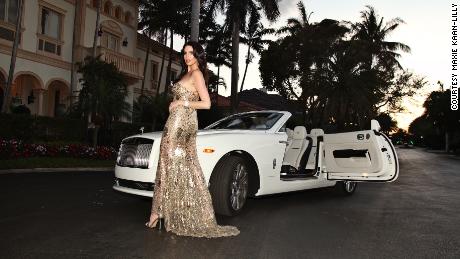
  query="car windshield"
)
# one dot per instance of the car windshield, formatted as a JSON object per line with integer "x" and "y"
{"x": 254, "y": 121}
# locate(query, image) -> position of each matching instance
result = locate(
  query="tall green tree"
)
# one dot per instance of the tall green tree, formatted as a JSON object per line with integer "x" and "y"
{"x": 236, "y": 16}
{"x": 387, "y": 123}
{"x": 254, "y": 39}
{"x": 445, "y": 120}
{"x": 103, "y": 95}
{"x": 160, "y": 15}
{"x": 372, "y": 34}
{"x": 218, "y": 48}
{"x": 324, "y": 67}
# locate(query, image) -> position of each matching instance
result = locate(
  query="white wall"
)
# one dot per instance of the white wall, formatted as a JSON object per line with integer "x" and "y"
{"x": 45, "y": 72}
{"x": 31, "y": 24}
{"x": 128, "y": 31}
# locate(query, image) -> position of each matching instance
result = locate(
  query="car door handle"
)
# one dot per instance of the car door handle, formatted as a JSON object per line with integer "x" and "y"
{"x": 284, "y": 142}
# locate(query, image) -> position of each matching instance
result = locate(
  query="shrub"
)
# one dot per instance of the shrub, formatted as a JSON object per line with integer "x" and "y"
{"x": 21, "y": 109}
{"x": 15, "y": 149}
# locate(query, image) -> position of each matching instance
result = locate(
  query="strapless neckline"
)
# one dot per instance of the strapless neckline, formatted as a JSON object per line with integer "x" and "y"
{"x": 190, "y": 91}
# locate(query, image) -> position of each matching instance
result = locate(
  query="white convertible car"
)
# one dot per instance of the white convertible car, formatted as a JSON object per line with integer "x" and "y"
{"x": 258, "y": 153}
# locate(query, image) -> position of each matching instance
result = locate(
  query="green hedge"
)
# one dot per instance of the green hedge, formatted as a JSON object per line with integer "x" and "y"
{"x": 38, "y": 129}
{"x": 32, "y": 128}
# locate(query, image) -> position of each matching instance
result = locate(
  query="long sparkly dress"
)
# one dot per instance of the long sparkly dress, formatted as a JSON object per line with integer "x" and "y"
{"x": 181, "y": 195}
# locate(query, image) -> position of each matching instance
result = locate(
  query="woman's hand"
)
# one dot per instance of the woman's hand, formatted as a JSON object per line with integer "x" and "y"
{"x": 174, "y": 104}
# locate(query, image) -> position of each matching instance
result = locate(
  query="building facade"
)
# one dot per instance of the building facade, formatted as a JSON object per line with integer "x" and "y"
{"x": 54, "y": 34}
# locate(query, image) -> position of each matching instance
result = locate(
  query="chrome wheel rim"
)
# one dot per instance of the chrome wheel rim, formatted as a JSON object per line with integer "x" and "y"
{"x": 239, "y": 187}
{"x": 349, "y": 186}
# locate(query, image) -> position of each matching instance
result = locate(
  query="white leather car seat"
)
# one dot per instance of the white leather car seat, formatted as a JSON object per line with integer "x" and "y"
{"x": 296, "y": 147}
{"x": 314, "y": 133}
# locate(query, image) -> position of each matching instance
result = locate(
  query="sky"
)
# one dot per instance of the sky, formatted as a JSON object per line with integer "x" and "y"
{"x": 427, "y": 31}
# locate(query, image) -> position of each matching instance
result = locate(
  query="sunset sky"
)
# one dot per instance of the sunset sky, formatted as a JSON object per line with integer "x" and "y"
{"x": 426, "y": 30}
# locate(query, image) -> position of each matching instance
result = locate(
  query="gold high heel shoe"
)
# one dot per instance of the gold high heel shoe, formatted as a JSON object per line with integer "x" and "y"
{"x": 158, "y": 220}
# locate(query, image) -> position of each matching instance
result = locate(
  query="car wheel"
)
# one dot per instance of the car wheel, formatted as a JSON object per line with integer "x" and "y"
{"x": 229, "y": 185}
{"x": 346, "y": 187}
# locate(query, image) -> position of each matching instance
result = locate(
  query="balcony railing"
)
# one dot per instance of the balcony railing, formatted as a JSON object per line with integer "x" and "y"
{"x": 130, "y": 66}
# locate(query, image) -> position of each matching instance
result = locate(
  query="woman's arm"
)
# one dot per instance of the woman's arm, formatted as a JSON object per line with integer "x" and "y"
{"x": 200, "y": 87}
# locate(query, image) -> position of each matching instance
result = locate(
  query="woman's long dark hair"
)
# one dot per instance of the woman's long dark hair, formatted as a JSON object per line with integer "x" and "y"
{"x": 200, "y": 55}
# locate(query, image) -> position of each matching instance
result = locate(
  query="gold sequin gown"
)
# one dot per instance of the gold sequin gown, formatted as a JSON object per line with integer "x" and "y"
{"x": 181, "y": 195}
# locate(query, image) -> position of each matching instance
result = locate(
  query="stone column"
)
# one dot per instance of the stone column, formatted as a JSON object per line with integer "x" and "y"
{"x": 40, "y": 101}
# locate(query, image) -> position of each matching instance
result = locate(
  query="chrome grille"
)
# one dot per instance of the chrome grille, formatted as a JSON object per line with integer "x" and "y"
{"x": 135, "y": 152}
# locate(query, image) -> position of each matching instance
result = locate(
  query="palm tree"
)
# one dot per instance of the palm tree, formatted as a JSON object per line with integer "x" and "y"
{"x": 314, "y": 68}
{"x": 76, "y": 20}
{"x": 164, "y": 40}
{"x": 236, "y": 13}
{"x": 160, "y": 15}
{"x": 214, "y": 82}
{"x": 176, "y": 10}
{"x": 148, "y": 36}
{"x": 6, "y": 95}
{"x": 96, "y": 30}
{"x": 372, "y": 33}
{"x": 218, "y": 48}
{"x": 254, "y": 40}
{"x": 295, "y": 26}
{"x": 195, "y": 18}
{"x": 151, "y": 20}
{"x": 152, "y": 27}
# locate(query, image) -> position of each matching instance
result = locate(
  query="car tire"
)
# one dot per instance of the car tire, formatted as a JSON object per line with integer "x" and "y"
{"x": 346, "y": 188}
{"x": 229, "y": 185}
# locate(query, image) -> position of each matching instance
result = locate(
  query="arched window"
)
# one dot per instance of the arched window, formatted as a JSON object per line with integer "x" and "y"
{"x": 107, "y": 8}
{"x": 118, "y": 12}
{"x": 128, "y": 17}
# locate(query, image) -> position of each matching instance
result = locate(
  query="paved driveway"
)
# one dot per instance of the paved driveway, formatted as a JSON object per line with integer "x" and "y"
{"x": 78, "y": 215}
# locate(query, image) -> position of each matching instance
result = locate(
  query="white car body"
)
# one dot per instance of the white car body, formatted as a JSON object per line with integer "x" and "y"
{"x": 353, "y": 156}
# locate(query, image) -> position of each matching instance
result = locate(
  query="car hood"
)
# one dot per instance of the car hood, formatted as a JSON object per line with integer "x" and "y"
{"x": 203, "y": 132}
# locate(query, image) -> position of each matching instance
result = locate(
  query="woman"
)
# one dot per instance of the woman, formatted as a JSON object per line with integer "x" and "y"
{"x": 181, "y": 197}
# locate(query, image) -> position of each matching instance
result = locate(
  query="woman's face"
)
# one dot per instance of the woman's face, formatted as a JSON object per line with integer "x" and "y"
{"x": 189, "y": 58}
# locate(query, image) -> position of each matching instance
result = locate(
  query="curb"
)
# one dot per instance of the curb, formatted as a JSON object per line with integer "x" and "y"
{"x": 53, "y": 170}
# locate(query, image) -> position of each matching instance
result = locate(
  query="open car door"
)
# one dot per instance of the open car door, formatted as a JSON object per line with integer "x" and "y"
{"x": 360, "y": 156}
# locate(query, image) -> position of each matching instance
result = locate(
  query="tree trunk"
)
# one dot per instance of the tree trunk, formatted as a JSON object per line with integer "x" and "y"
{"x": 217, "y": 90}
{"x": 246, "y": 69}
{"x": 235, "y": 59}
{"x": 96, "y": 30}
{"x": 146, "y": 63}
{"x": 141, "y": 99}
{"x": 195, "y": 30}
{"x": 6, "y": 95}
{"x": 168, "y": 71}
{"x": 162, "y": 64}
{"x": 74, "y": 47}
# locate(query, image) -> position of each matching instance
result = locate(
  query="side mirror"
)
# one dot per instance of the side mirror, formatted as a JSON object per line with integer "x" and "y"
{"x": 375, "y": 125}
